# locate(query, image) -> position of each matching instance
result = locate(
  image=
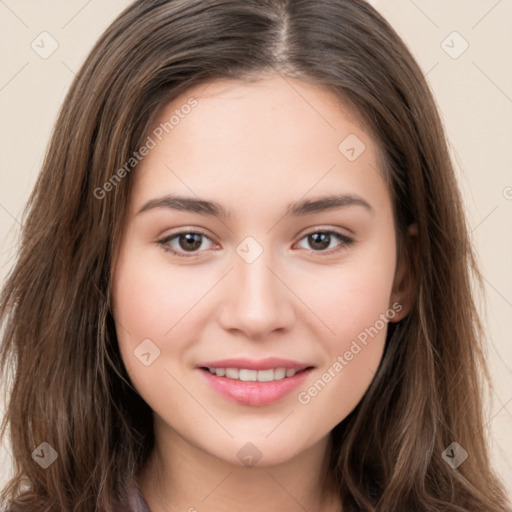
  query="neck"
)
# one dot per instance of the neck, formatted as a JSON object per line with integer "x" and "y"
{"x": 181, "y": 477}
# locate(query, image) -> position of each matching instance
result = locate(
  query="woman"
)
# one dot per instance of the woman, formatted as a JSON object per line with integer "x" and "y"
{"x": 244, "y": 279}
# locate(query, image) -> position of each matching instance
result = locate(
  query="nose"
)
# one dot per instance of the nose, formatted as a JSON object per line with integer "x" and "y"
{"x": 257, "y": 301}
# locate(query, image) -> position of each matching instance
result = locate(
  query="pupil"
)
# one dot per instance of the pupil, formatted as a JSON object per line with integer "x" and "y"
{"x": 193, "y": 241}
{"x": 322, "y": 239}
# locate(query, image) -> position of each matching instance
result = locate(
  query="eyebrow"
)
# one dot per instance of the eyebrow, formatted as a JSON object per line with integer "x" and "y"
{"x": 214, "y": 209}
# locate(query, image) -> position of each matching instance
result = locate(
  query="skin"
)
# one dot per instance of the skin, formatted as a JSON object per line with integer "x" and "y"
{"x": 254, "y": 147}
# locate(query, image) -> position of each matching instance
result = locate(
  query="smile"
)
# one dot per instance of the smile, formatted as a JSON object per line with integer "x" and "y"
{"x": 247, "y": 375}
{"x": 254, "y": 383}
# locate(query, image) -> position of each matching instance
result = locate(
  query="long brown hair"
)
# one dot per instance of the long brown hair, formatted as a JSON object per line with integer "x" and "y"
{"x": 59, "y": 355}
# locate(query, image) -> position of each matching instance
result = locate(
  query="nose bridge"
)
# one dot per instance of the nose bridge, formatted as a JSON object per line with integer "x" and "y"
{"x": 257, "y": 302}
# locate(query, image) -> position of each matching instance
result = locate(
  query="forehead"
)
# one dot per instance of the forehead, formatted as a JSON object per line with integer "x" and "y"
{"x": 274, "y": 139}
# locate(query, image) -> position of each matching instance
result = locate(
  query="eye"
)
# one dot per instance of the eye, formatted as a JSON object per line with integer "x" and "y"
{"x": 319, "y": 241}
{"x": 184, "y": 242}
{"x": 192, "y": 242}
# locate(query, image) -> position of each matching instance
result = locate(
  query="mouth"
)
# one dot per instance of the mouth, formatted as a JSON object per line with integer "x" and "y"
{"x": 247, "y": 375}
{"x": 254, "y": 383}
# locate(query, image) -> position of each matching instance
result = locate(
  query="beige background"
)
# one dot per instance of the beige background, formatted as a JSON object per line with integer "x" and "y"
{"x": 473, "y": 90}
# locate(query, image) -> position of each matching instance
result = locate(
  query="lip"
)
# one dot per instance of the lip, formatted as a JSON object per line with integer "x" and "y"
{"x": 255, "y": 393}
{"x": 252, "y": 364}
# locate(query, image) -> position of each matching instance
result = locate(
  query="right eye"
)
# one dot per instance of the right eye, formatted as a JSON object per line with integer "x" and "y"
{"x": 184, "y": 242}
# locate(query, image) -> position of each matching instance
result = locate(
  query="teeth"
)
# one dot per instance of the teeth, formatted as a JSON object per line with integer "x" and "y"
{"x": 232, "y": 373}
{"x": 279, "y": 373}
{"x": 265, "y": 375}
{"x": 246, "y": 375}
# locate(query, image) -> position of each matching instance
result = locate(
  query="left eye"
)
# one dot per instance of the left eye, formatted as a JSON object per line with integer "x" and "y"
{"x": 321, "y": 240}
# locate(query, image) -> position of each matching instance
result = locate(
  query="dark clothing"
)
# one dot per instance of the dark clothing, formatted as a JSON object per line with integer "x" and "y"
{"x": 137, "y": 502}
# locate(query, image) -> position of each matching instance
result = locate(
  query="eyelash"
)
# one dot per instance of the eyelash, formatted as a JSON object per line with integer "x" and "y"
{"x": 345, "y": 242}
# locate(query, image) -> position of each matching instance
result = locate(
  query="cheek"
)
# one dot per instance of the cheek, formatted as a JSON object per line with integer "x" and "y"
{"x": 153, "y": 312}
{"x": 149, "y": 299}
{"x": 353, "y": 301}
{"x": 341, "y": 384}
{"x": 350, "y": 297}
{"x": 158, "y": 302}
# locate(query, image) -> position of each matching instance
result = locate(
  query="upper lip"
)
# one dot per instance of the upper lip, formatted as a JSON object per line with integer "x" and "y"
{"x": 255, "y": 364}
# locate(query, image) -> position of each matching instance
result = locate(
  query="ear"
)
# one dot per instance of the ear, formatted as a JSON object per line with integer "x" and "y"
{"x": 404, "y": 284}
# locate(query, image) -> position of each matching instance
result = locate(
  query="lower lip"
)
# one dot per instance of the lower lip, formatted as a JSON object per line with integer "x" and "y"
{"x": 255, "y": 393}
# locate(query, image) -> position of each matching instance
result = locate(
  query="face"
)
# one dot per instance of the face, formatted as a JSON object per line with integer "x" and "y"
{"x": 258, "y": 270}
